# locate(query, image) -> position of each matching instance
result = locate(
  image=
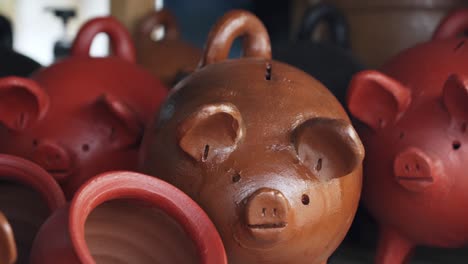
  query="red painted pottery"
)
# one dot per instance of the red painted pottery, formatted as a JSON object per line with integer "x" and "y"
{"x": 82, "y": 115}
{"x": 28, "y": 195}
{"x": 170, "y": 59}
{"x": 264, "y": 148}
{"x": 126, "y": 217}
{"x": 414, "y": 115}
{"x": 8, "y": 252}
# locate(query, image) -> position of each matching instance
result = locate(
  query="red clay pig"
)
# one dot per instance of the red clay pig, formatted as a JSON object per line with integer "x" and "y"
{"x": 264, "y": 148}
{"x": 415, "y": 115}
{"x": 82, "y": 115}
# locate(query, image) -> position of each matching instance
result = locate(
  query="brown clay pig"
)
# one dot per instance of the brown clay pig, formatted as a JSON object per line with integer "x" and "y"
{"x": 170, "y": 58}
{"x": 264, "y": 148}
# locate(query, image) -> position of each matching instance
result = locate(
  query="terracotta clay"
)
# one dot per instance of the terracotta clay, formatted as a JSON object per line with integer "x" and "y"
{"x": 28, "y": 195}
{"x": 381, "y": 28}
{"x": 126, "y": 217}
{"x": 169, "y": 58}
{"x": 12, "y": 62}
{"x": 414, "y": 119}
{"x": 8, "y": 252}
{"x": 82, "y": 115}
{"x": 330, "y": 62}
{"x": 264, "y": 148}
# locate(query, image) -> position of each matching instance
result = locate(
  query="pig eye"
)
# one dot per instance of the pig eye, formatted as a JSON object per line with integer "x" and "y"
{"x": 85, "y": 147}
{"x": 112, "y": 133}
{"x": 456, "y": 145}
{"x": 402, "y": 135}
{"x": 305, "y": 199}
{"x": 35, "y": 143}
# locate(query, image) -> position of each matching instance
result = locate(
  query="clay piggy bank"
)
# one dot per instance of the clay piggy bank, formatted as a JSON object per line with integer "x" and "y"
{"x": 126, "y": 217}
{"x": 82, "y": 115}
{"x": 331, "y": 63}
{"x": 169, "y": 58}
{"x": 12, "y": 62}
{"x": 381, "y": 28}
{"x": 414, "y": 115}
{"x": 28, "y": 195}
{"x": 8, "y": 252}
{"x": 264, "y": 148}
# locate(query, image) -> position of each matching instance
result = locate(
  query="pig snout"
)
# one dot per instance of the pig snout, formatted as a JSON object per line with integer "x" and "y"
{"x": 54, "y": 159}
{"x": 415, "y": 170}
{"x": 266, "y": 214}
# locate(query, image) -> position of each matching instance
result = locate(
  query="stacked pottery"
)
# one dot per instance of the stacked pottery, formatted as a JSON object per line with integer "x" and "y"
{"x": 82, "y": 115}
{"x": 126, "y": 217}
{"x": 329, "y": 62}
{"x": 169, "y": 58}
{"x": 414, "y": 116}
{"x": 265, "y": 149}
{"x": 28, "y": 195}
{"x": 12, "y": 62}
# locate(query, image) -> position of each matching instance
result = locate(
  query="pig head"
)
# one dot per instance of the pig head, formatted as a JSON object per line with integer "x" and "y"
{"x": 414, "y": 174}
{"x": 274, "y": 196}
{"x": 72, "y": 143}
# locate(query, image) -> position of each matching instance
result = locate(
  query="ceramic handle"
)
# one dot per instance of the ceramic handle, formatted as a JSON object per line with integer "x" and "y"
{"x": 237, "y": 23}
{"x": 121, "y": 40}
{"x": 131, "y": 185}
{"x": 333, "y": 17}
{"x": 159, "y": 18}
{"x": 8, "y": 252}
{"x": 28, "y": 173}
{"x": 453, "y": 25}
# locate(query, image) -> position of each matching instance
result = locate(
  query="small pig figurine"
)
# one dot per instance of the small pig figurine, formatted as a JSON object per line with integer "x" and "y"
{"x": 264, "y": 148}
{"x": 415, "y": 115}
{"x": 82, "y": 115}
{"x": 179, "y": 57}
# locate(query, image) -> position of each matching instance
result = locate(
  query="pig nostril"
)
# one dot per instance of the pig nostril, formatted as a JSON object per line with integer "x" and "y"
{"x": 456, "y": 145}
{"x": 263, "y": 211}
{"x": 305, "y": 199}
{"x": 318, "y": 167}
{"x": 274, "y": 211}
{"x": 417, "y": 167}
{"x": 85, "y": 147}
{"x": 407, "y": 167}
{"x": 236, "y": 177}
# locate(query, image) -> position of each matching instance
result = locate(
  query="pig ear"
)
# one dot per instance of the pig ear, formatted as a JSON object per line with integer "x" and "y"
{"x": 22, "y": 102}
{"x": 377, "y": 99}
{"x": 211, "y": 133}
{"x": 331, "y": 148}
{"x": 8, "y": 251}
{"x": 455, "y": 96}
{"x": 125, "y": 117}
